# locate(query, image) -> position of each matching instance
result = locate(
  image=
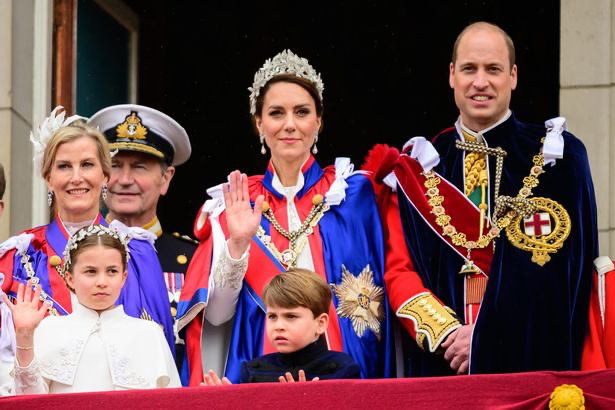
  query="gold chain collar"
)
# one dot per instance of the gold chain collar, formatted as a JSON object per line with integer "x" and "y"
{"x": 297, "y": 238}
{"x": 518, "y": 205}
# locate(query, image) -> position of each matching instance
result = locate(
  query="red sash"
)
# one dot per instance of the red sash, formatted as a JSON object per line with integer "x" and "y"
{"x": 464, "y": 214}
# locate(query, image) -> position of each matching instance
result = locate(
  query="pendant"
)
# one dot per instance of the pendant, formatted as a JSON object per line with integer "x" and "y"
{"x": 543, "y": 233}
{"x": 468, "y": 268}
{"x": 288, "y": 257}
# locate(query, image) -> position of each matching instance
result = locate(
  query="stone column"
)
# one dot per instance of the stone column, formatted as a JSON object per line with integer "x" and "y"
{"x": 25, "y": 84}
{"x": 5, "y": 108}
{"x": 587, "y": 97}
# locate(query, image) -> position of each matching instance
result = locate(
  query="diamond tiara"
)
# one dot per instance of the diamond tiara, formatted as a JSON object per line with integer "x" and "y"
{"x": 284, "y": 63}
{"x": 89, "y": 231}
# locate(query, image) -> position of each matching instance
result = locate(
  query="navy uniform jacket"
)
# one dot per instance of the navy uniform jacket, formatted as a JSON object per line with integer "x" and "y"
{"x": 314, "y": 359}
{"x": 175, "y": 253}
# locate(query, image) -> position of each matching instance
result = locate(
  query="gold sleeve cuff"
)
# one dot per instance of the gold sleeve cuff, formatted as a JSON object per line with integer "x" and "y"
{"x": 432, "y": 321}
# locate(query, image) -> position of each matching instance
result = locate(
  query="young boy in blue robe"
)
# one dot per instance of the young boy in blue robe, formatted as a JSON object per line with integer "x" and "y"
{"x": 297, "y": 303}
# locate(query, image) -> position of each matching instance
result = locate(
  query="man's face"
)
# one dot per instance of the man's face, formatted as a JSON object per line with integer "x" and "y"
{"x": 482, "y": 78}
{"x": 136, "y": 184}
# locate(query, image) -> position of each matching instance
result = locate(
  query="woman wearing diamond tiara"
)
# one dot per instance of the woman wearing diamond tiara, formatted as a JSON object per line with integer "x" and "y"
{"x": 97, "y": 347}
{"x": 324, "y": 220}
{"x": 74, "y": 160}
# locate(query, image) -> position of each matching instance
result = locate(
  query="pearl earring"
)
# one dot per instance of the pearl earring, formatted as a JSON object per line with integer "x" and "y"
{"x": 263, "y": 150}
{"x": 314, "y": 148}
{"x": 104, "y": 192}
{"x": 49, "y": 198}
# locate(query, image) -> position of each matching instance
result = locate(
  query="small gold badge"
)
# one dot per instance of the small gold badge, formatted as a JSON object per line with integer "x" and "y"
{"x": 543, "y": 233}
{"x": 360, "y": 300}
{"x": 55, "y": 260}
{"x": 132, "y": 128}
{"x": 182, "y": 259}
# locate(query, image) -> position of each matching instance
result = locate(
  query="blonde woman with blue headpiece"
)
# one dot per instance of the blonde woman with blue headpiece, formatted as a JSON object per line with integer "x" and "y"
{"x": 297, "y": 214}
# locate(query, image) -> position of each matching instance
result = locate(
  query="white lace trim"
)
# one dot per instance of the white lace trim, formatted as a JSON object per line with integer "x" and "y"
{"x": 28, "y": 379}
{"x": 229, "y": 272}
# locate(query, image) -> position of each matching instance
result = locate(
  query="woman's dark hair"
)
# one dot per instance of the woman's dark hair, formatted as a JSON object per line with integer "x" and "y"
{"x": 307, "y": 85}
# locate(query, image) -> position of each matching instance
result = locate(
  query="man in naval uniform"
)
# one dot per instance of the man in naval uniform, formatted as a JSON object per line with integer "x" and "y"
{"x": 499, "y": 222}
{"x": 150, "y": 145}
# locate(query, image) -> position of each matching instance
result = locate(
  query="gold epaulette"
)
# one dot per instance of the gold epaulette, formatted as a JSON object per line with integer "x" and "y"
{"x": 432, "y": 321}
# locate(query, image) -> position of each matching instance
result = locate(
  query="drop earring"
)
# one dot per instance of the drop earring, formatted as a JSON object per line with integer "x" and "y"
{"x": 49, "y": 198}
{"x": 315, "y": 148}
{"x": 104, "y": 192}
{"x": 263, "y": 150}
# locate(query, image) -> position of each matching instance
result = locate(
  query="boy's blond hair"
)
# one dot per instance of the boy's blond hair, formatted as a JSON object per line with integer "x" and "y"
{"x": 298, "y": 287}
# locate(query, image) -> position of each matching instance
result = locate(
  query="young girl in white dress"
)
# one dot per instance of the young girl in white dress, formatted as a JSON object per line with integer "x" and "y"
{"x": 97, "y": 347}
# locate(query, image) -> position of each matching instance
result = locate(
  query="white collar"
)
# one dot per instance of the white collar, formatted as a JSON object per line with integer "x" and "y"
{"x": 289, "y": 191}
{"x": 83, "y": 312}
{"x": 479, "y": 134}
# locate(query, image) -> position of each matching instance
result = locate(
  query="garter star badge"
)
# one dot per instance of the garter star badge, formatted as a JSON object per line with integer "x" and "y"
{"x": 543, "y": 233}
{"x": 360, "y": 300}
{"x": 132, "y": 128}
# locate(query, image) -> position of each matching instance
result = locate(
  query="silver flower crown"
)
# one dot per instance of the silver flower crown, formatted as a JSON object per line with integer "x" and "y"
{"x": 284, "y": 63}
{"x": 89, "y": 231}
{"x": 45, "y": 132}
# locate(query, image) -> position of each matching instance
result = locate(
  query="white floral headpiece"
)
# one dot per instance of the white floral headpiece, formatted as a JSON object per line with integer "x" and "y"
{"x": 80, "y": 235}
{"x": 284, "y": 63}
{"x": 47, "y": 129}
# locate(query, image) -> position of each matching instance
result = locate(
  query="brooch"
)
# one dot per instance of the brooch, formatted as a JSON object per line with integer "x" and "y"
{"x": 360, "y": 300}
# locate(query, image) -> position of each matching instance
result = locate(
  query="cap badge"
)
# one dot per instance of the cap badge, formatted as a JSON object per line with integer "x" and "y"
{"x": 132, "y": 128}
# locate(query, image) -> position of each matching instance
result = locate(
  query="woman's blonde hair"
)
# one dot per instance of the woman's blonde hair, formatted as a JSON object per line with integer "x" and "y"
{"x": 70, "y": 133}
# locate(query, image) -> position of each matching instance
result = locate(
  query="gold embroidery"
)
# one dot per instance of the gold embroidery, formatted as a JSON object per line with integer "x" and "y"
{"x": 136, "y": 147}
{"x": 360, "y": 300}
{"x": 431, "y": 319}
{"x": 132, "y": 128}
